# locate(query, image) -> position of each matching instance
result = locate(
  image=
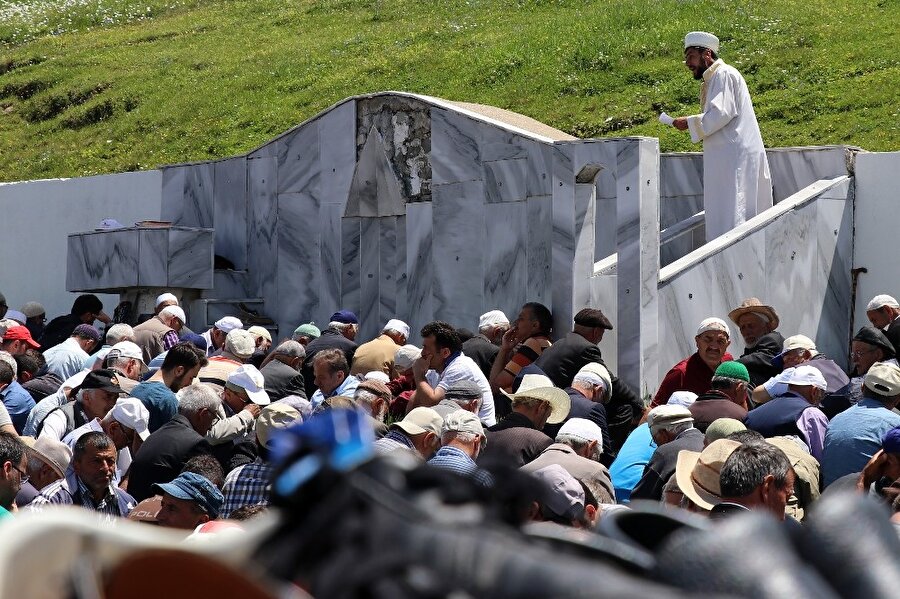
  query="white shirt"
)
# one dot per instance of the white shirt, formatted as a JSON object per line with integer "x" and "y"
{"x": 123, "y": 460}
{"x": 736, "y": 181}
{"x": 464, "y": 368}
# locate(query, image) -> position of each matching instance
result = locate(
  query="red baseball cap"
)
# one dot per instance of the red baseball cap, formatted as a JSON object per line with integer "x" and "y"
{"x": 20, "y": 333}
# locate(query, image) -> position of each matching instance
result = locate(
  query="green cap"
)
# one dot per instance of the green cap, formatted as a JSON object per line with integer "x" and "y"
{"x": 309, "y": 329}
{"x": 733, "y": 370}
{"x": 720, "y": 428}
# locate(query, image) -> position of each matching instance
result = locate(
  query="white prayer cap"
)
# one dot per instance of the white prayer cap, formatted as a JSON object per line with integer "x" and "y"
{"x": 714, "y": 324}
{"x": 166, "y": 297}
{"x": 880, "y": 301}
{"x": 227, "y": 324}
{"x": 682, "y": 398}
{"x": 377, "y": 375}
{"x": 174, "y": 311}
{"x": 405, "y": 356}
{"x": 701, "y": 39}
{"x": 397, "y": 325}
{"x": 493, "y": 318}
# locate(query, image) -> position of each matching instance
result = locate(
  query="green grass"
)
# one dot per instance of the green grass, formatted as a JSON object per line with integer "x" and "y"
{"x": 94, "y": 86}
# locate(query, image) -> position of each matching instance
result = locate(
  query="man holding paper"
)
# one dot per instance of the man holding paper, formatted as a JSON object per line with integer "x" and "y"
{"x": 736, "y": 181}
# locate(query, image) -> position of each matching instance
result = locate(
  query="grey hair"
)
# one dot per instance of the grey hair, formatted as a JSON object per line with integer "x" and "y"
{"x": 462, "y": 437}
{"x": 364, "y": 396}
{"x": 747, "y": 467}
{"x": 193, "y": 398}
{"x": 578, "y": 444}
{"x": 340, "y": 326}
{"x": 291, "y": 348}
{"x": 724, "y": 382}
{"x": 7, "y": 357}
{"x": 119, "y": 332}
{"x": 120, "y": 362}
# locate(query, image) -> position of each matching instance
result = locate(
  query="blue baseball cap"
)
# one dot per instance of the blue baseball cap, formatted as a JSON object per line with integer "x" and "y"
{"x": 891, "y": 442}
{"x": 193, "y": 487}
{"x": 344, "y": 316}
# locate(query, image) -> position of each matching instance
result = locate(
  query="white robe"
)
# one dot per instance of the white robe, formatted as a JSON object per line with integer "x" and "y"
{"x": 736, "y": 181}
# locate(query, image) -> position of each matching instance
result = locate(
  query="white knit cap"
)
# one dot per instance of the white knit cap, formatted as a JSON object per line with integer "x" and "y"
{"x": 493, "y": 318}
{"x": 701, "y": 39}
{"x": 226, "y": 324}
{"x": 166, "y": 297}
{"x": 397, "y": 325}
{"x": 880, "y": 301}
{"x": 682, "y": 398}
{"x": 714, "y": 324}
{"x": 174, "y": 311}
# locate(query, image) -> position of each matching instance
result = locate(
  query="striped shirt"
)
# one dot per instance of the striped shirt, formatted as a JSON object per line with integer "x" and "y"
{"x": 526, "y": 353}
{"x": 249, "y": 484}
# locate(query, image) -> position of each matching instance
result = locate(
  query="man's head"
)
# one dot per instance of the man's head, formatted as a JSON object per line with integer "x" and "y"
{"x": 882, "y": 310}
{"x": 712, "y": 339}
{"x": 98, "y": 392}
{"x": 732, "y": 379}
{"x": 13, "y": 468}
{"x": 272, "y": 418}
{"x": 127, "y": 358}
{"x": 590, "y": 323}
{"x": 561, "y": 498}
{"x": 439, "y": 341}
{"x": 306, "y": 333}
{"x": 374, "y": 397}
{"x": 890, "y": 443}
{"x": 36, "y": 317}
{"x": 697, "y": 473}
{"x": 758, "y": 476}
{"x": 492, "y": 325}
{"x": 808, "y": 382}
{"x": 119, "y": 332}
{"x": 221, "y": 328}
{"x": 48, "y": 460}
{"x": 7, "y": 374}
{"x": 181, "y": 365}
{"x": 582, "y": 435}
{"x": 882, "y": 382}
{"x": 188, "y": 501}
{"x": 240, "y": 344}
{"x": 797, "y": 350}
{"x": 594, "y": 382}
{"x": 463, "y": 430}
{"x": 534, "y": 319}
{"x": 126, "y": 421}
{"x": 539, "y": 401}
{"x": 262, "y": 338}
{"x": 754, "y": 319}
{"x": 396, "y": 330}
{"x": 94, "y": 461}
{"x": 423, "y": 427}
{"x": 173, "y": 317}
{"x": 868, "y": 346}
{"x": 29, "y": 364}
{"x": 245, "y": 385}
{"x": 667, "y": 422}
{"x": 291, "y": 353}
{"x": 199, "y": 403}
{"x": 344, "y": 322}
{"x": 404, "y": 358}
{"x": 466, "y": 394}
{"x": 88, "y": 308}
{"x": 330, "y": 369}
{"x": 701, "y": 49}
{"x": 721, "y": 428}
{"x": 17, "y": 340}
{"x": 87, "y": 337}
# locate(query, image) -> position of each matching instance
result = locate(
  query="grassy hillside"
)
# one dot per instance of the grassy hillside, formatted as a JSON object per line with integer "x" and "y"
{"x": 92, "y": 86}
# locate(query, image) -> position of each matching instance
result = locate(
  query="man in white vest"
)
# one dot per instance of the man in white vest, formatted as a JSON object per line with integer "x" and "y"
{"x": 736, "y": 181}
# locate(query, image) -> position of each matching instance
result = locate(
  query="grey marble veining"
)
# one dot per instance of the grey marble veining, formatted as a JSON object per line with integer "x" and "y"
{"x": 504, "y": 180}
{"x": 539, "y": 249}
{"x": 563, "y": 239}
{"x": 604, "y": 292}
{"x": 455, "y": 153}
{"x": 680, "y": 175}
{"x": 459, "y": 214}
{"x": 187, "y": 194}
{"x": 419, "y": 266}
{"x": 351, "y": 257}
{"x": 790, "y": 250}
{"x": 374, "y": 190}
{"x": 298, "y": 276}
{"x": 229, "y": 284}
{"x": 369, "y": 277}
{"x": 583, "y": 265}
{"x": 190, "y": 259}
{"x": 262, "y": 255}
{"x": 388, "y": 253}
{"x": 330, "y": 258}
{"x": 337, "y": 152}
{"x": 153, "y": 258}
{"x": 298, "y": 160}
{"x": 834, "y": 261}
{"x": 230, "y": 210}
{"x": 792, "y": 169}
{"x": 104, "y": 260}
{"x": 506, "y": 260}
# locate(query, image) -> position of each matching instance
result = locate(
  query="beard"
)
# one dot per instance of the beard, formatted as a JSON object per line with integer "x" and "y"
{"x": 698, "y": 72}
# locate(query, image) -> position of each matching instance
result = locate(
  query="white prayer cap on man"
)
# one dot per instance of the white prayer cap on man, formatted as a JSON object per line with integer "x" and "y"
{"x": 32, "y": 309}
{"x": 377, "y": 375}
{"x": 492, "y": 319}
{"x": 682, "y": 398}
{"x": 584, "y": 429}
{"x": 166, "y": 297}
{"x": 227, "y": 324}
{"x": 701, "y": 39}
{"x": 880, "y": 301}
{"x": 174, "y": 311}
{"x": 714, "y": 324}
{"x": 397, "y": 325}
{"x": 405, "y": 356}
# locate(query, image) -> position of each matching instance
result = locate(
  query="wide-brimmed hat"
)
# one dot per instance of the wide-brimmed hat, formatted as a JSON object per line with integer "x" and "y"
{"x": 697, "y": 472}
{"x": 536, "y": 386}
{"x": 753, "y": 305}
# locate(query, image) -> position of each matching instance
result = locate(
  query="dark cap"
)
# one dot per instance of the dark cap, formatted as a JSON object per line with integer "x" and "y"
{"x": 464, "y": 390}
{"x": 107, "y": 380}
{"x": 194, "y": 339}
{"x": 590, "y": 317}
{"x": 191, "y": 486}
{"x": 872, "y": 336}
{"x": 87, "y": 331}
{"x": 891, "y": 441}
{"x": 345, "y": 316}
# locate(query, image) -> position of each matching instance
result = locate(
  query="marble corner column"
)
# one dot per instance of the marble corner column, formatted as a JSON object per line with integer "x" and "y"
{"x": 637, "y": 244}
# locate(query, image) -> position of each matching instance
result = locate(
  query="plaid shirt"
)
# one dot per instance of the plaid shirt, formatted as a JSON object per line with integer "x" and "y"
{"x": 247, "y": 485}
{"x": 455, "y": 460}
{"x": 72, "y": 491}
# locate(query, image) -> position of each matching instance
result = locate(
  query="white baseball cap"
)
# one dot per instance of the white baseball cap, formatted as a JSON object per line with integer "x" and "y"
{"x": 880, "y": 301}
{"x": 405, "y": 356}
{"x": 397, "y": 325}
{"x": 131, "y": 412}
{"x": 227, "y": 324}
{"x": 251, "y": 380}
{"x": 493, "y": 318}
{"x": 805, "y": 375}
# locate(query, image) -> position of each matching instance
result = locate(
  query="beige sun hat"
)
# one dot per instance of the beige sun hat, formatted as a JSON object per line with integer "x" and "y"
{"x": 540, "y": 387}
{"x": 697, "y": 473}
{"x": 755, "y": 306}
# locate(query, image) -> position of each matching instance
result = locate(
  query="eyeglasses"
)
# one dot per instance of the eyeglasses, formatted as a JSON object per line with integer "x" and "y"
{"x": 24, "y": 475}
{"x": 861, "y": 352}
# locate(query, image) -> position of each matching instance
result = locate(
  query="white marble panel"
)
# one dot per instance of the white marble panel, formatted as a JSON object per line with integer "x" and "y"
{"x": 419, "y": 266}
{"x": 604, "y": 227}
{"x": 369, "y": 278}
{"x": 736, "y": 273}
{"x": 350, "y": 263}
{"x": 375, "y": 190}
{"x": 402, "y": 305}
{"x": 680, "y": 175}
{"x": 505, "y": 276}
{"x": 455, "y": 154}
{"x": 387, "y": 271}
{"x": 841, "y": 191}
{"x": 504, "y": 180}
{"x": 604, "y": 292}
{"x": 539, "y": 249}
{"x": 792, "y": 169}
{"x": 262, "y": 255}
{"x": 563, "y": 248}
{"x": 459, "y": 250}
{"x": 230, "y": 210}
{"x": 298, "y": 160}
{"x": 173, "y": 178}
{"x": 337, "y": 152}
{"x": 230, "y": 283}
{"x": 298, "y": 276}
{"x": 330, "y": 256}
{"x": 834, "y": 227}
{"x": 683, "y": 303}
{"x": 153, "y": 270}
{"x": 188, "y": 195}
{"x": 791, "y": 242}
{"x": 583, "y": 266}
{"x": 539, "y": 176}
{"x": 190, "y": 259}
{"x": 104, "y": 260}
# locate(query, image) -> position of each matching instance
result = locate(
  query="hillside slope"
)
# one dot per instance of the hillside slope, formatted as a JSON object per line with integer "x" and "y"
{"x": 93, "y": 86}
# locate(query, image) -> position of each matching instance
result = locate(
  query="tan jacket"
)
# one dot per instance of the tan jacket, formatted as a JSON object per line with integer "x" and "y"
{"x": 377, "y": 354}
{"x": 149, "y": 337}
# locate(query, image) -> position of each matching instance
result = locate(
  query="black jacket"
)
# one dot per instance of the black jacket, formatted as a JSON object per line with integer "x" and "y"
{"x": 328, "y": 340}
{"x": 662, "y": 464}
{"x": 513, "y": 442}
{"x": 282, "y": 380}
{"x": 758, "y": 359}
{"x": 482, "y": 351}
